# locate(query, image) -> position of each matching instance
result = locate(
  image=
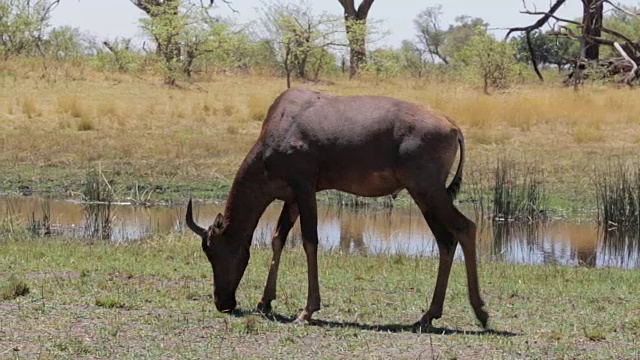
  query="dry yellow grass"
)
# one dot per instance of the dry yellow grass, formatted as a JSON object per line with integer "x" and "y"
{"x": 153, "y": 132}
{"x": 257, "y": 106}
{"x": 29, "y": 107}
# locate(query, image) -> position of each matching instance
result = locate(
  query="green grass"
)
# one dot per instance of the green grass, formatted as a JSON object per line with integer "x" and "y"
{"x": 152, "y": 299}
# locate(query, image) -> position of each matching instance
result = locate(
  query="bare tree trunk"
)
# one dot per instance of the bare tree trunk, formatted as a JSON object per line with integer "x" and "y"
{"x": 355, "y": 25}
{"x": 357, "y": 54}
{"x": 287, "y": 66}
{"x": 592, "y": 22}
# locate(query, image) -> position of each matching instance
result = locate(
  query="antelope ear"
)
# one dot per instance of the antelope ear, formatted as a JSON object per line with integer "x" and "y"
{"x": 218, "y": 224}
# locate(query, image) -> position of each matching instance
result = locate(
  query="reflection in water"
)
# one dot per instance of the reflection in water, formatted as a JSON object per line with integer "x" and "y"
{"x": 352, "y": 230}
{"x": 347, "y": 230}
{"x": 619, "y": 248}
{"x": 97, "y": 220}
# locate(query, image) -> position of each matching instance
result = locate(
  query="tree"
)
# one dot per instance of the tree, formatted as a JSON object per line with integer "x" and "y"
{"x": 485, "y": 58}
{"x": 592, "y": 13}
{"x": 590, "y": 33}
{"x": 547, "y": 49}
{"x": 64, "y": 42}
{"x": 459, "y": 34}
{"x": 413, "y": 59}
{"x": 298, "y": 37}
{"x": 624, "y": 21}
{"x": 123, "y": 57}
{"x": 430, "y": 34}
{"x": 563, "y": 51}
{"x": 164, "y": 25}
{"x": 23, "y": 25}
{"x": 206, "y": 37}
{"x": 183, "y": 31}
{"x": 355, "y": 20}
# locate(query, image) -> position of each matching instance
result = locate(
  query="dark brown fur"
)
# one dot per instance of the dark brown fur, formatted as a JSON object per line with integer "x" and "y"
{"x": 364, "y": 145}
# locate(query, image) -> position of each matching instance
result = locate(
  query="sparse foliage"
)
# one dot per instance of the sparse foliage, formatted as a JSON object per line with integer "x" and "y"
{"x": 384, "y": 63}
{"x": 298, "y": 39}
{"x": 431, "y": 36}
{"x": 413, "y": 59}
{"x": 64, "y": 42}
{"x": 122, "y": 55}
{"x": 183, "y": 31}
{"x": 486, "y": 59}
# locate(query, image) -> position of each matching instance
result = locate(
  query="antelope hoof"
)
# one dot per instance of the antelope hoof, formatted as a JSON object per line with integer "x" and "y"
{"x": 483, "y": 317}
{"x": 427, "y": 320}
{"x": 304, "y": 317}
{"x": 264, "y": 307}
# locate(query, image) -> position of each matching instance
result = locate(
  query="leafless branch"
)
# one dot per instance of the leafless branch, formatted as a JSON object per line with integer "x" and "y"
{"x": 618, "y": 34}
{"x": 227, "y": 2}
{"x": 571, "y": 35}
{"x": 538, "y": 24}
{"x": 621, "y": 9}
{"x": 629, "y": 77}
{"x": 551, "y": 16}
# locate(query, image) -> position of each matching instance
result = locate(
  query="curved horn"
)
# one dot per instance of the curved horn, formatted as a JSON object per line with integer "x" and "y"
{"x": 191, "y": 224}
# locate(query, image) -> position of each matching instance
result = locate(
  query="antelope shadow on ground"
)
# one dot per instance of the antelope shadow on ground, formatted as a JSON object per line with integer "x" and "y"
{"x": 387, "y": 328}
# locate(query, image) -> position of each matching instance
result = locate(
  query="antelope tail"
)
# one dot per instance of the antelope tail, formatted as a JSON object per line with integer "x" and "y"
{"x": 454, "y": 187}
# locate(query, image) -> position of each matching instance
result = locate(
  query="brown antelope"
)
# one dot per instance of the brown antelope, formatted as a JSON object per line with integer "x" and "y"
{"x": 365, "y": 145}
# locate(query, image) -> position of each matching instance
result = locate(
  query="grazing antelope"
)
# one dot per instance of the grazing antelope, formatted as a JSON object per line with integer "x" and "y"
{"x": 364, "y": 145}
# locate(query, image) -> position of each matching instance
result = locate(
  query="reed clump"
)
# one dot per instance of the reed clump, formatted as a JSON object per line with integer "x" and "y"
{"x": 618, "y": 196}
{"x": 518, "y": 193}
{"x": 41, "y": 226}
{"x": 98, "y": 197}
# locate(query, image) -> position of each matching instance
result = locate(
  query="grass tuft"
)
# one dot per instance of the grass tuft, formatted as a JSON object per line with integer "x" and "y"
{"x": 109, "y": 109}
{"x": 13, "y": 288}
{"x": 228, "y": 109}
{"x": 86, "y": 124}
{"x": 595, "y": 334}
{"x": 110, "y": 302}
{"x": 257, "y": 108}
{"x": 73, "y": 106}
{"x": 29, "y": 107}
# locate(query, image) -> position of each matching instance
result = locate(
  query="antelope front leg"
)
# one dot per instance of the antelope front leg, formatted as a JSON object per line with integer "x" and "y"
{"x": 286, "y": 220}
{"x": 306, "y": 199}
